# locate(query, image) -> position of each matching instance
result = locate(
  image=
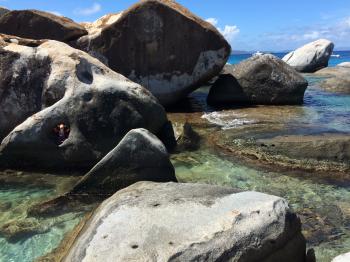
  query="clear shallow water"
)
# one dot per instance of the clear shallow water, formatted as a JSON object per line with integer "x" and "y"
{"x": 325, "y": 207}
{"x": 14, "y": 202}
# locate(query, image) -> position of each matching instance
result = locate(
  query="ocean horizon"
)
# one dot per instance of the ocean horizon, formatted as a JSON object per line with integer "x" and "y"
{"x": 344, "y": 56}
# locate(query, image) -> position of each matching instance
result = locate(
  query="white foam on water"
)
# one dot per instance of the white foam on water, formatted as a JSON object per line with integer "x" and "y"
{"x": 228, "y": 120}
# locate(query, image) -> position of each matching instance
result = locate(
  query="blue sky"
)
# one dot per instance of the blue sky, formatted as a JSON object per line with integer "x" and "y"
{"x": 272, "y": 25}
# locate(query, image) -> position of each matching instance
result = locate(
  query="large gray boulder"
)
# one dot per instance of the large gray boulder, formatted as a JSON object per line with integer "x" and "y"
{"x": 98, "y": 105}
{"x": 140, "y": 156}
{"x": 36, "y": 24}
{"x": 338, "y": 79}
{"x": 160, "y": 45}
{"x": 189, "y": 222}
{"x": 310, "y": 57}
{"x": 22, "y": 81}
{"x": 261, "y": 79}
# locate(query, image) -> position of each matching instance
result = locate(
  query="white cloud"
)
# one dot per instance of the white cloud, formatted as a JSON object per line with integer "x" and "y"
{"x": 337, "y": 30}
{"x": 95, "y": 8}
{"x": 212, "y": 20}
{"x": 311, "y": 35}
{"x": 229, "y": 31}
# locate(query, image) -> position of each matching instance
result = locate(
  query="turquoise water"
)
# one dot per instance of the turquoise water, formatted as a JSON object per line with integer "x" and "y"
{"x": 14, "y": 203}
{"x": 344, "y": 57}
{"x": 323, "y": 205}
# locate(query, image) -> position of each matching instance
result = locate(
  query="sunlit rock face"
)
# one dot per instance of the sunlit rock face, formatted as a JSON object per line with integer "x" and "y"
{"x": 96, "y": 105}
{"x": 310, "y": 57}
{"x": 189, "y": 222}
{"x": 160, "y": 45}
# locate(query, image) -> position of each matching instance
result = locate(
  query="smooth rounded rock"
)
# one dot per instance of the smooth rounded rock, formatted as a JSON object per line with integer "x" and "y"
{"x": 36, "y": 24}
{"x": 189, "y": 222}
{"x": 261, "y": 79}
{"x": 160, "y": 45}
{"x": 337, "y": 79}
{"x": 342, "y": 258}
{"x": 97, "y": 106}
{"x": 310, "y": 57}
{"x": 140, "y": 156}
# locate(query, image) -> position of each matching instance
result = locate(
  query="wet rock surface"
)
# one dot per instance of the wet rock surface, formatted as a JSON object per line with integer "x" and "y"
{"x": 160, "y": 45}
{"x": 310, "y": 57}
{"x": 261, "y": 79}
{"x": 36, "y": 24}
{"x": 213, "y": 224}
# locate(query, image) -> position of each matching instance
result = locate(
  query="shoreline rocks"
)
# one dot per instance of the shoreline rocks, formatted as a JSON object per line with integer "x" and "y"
{"x": 310, "y": 57}
{"x": 160, "y": 45}
{"x": 338, "y": 80}
{"x": 261, "y": 79}
{"x": 36, "y": 24}
{"x": 143, "y": 222}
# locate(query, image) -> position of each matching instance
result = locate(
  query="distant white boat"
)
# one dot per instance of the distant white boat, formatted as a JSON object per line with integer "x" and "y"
{"x": 333, "y": 55}
{"x": 258, "y": 53}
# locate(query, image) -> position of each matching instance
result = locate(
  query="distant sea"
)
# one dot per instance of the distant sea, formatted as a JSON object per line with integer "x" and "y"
{"x": 344, "y": 56}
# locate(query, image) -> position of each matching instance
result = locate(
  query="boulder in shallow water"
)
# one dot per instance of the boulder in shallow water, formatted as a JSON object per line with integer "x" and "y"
{"x": 160, "y": 45}
{"x": 338, "y": 79}
{"x": 96, "y": 104}
{"x": 140, "y": 156}
{"x": 189, "y": 222}
{"x": 18, "y": 230}
{"x": 186, "y": 137}
{"x": 36, "y": 24}
{"x": 261, "y": 79}
{"x": 310, "y": 57}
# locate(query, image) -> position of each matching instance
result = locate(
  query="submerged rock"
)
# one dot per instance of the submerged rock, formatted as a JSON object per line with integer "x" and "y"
{"x": 140, "y": 156}
{"x": 17, "y": 230}
{"x": 190, "y": 222}
{"x": 186, "y": 137}
{"x": 96, "y": 105}
{"x": 333, "y": 147}
{"x": 160, "y": 45}
{"x": 261, "y": 79}
{"x": 338, "y": 79}
{"x": 310, "y": 57}
{"x": 36, "y": 24}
